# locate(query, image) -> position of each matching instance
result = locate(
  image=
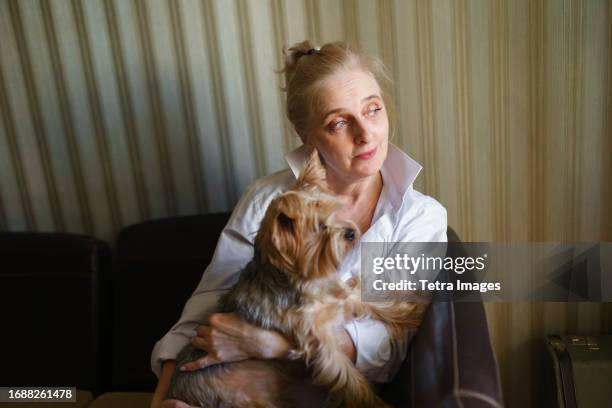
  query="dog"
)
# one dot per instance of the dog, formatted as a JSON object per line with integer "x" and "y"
{"x": 291, "y": 286}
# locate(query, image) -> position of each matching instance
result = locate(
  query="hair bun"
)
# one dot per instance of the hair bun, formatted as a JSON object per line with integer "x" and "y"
{"x": 293, "y": 55}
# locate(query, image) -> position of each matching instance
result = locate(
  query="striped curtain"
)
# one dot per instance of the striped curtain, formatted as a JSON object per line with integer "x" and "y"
{"x": 113, "y": 112}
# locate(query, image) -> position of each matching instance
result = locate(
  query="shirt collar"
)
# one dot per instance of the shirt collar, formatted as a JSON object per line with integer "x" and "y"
{"x": 398, "y": 170}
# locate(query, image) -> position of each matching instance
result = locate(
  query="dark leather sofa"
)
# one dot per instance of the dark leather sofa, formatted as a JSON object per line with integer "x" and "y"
{"x": 74, "y": 314}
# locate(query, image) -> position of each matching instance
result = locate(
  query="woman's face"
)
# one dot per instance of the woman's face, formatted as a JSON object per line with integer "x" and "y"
{"x": 351, "y": 128}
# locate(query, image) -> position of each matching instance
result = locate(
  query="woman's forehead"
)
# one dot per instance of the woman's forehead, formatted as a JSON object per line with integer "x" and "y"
{"x": 348, "y": 88}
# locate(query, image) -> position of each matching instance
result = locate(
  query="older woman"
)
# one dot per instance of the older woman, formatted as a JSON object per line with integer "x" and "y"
{"x": 336, "y": 105}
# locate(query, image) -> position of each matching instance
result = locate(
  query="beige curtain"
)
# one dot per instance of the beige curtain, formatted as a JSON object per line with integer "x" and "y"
{"x": 118, "y": 111}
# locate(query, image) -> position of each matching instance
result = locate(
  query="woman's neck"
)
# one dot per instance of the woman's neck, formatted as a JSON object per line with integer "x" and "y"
{"x": 360, "y": 199}
{"x": 353, "y": 192}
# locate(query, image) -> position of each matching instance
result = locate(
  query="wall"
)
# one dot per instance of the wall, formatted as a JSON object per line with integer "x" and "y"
{"x": 116, "y": 111}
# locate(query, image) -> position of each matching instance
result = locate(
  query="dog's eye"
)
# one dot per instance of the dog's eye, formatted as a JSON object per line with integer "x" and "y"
{"x": 322, "y": 227}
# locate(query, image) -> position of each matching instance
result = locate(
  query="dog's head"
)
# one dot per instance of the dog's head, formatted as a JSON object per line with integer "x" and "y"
{"x": 301, "y": 235}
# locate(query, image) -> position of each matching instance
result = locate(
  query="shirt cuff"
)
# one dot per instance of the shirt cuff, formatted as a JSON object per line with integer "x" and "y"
{"x": 379, "y": 355}
{"x": 169, "y": 347}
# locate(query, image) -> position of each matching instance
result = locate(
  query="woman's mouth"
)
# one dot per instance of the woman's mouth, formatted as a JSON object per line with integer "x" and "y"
{"x": 367, "y": 155}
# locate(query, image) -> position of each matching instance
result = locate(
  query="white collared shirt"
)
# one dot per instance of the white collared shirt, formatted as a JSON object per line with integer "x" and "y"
{"x": 402, "y": 215}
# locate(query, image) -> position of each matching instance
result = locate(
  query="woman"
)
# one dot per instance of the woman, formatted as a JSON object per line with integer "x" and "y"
{"x": 336, "y": 105}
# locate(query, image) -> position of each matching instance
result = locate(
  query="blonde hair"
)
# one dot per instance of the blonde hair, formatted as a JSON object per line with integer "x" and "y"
{"x": 307, "y": 67}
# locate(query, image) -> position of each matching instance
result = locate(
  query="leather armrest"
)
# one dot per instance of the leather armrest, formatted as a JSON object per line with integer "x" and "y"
{"x": 450, "y": 362}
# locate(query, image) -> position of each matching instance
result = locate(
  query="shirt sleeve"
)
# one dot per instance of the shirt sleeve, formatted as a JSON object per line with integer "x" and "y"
{"x": 234, "y": 250}
{"x": 379, "y": 355}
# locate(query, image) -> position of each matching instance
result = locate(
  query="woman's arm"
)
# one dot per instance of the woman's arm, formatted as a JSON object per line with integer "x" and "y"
{"x": 163, "y": 384}
{"x": 234, "y": 250}
{"x": 230, "y": 338}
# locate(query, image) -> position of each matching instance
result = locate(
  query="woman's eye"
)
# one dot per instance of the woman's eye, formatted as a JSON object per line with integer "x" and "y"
{"x": 322, "y": 227}
{"x": 338, "y": 125}
{"x": 374, "y": 111}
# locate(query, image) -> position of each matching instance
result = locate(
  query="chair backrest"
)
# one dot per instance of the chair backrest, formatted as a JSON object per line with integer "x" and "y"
{"x": 54, "y": 330}
{"x": 159, "y": 264}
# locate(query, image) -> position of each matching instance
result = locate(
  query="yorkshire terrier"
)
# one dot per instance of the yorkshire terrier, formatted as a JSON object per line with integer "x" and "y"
{"x": 292, "y": 286}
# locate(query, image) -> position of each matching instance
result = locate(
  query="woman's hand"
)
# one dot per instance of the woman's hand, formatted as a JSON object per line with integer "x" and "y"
{"x": 231, "y": 338}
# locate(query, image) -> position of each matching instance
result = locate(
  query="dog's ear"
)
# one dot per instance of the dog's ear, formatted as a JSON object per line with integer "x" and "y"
{"x": 278, "y": 239}
{"x": 313, "y": 176}
{"x": 285, "y": 240}
{"x": 284, "y": 224}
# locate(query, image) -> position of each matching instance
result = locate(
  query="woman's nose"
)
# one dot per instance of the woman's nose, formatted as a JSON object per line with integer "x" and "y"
{"x": 362, "y": 133}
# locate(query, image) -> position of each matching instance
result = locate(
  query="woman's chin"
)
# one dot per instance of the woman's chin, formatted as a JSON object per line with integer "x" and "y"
{"x": 367, "y": 169}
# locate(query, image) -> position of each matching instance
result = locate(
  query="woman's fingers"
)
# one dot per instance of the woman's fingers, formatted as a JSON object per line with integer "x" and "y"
{"x": 201, "y": 343}
{"x": 223, "y": 323}
{"x": 230, "y": 338}
{"x": 229, "y": 323}
{"x": 203, "y": 330}
{"x": 208, "y": 337}
{"x": 203, "y": 362}
{"x": 227, "y": 338}
{"x": 248, "y": 339}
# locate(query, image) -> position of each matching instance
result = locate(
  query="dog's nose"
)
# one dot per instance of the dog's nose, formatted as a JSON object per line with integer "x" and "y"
{"x": 349, "y": 234}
